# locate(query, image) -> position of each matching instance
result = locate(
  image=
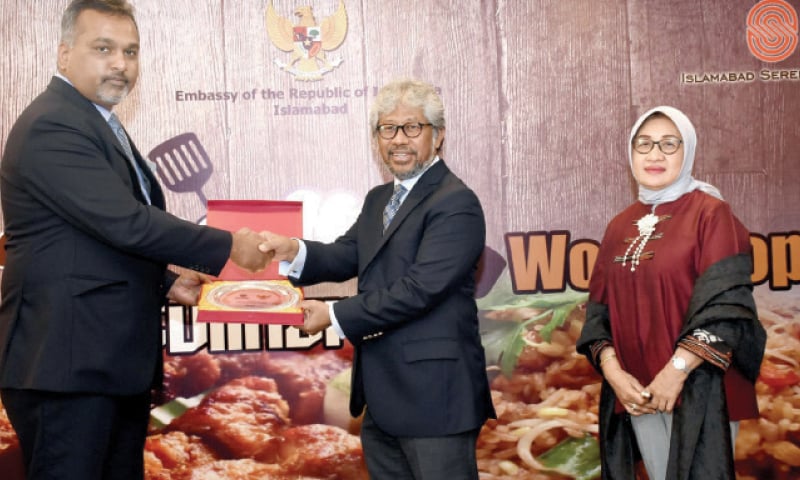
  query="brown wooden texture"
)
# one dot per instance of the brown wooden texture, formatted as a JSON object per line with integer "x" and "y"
{"x": 746, "y": 131}
{"x": 539, "y": 98}
{"x": 539, "y": 95}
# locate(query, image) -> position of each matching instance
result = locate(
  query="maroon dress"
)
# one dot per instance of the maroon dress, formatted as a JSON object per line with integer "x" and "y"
{"x": 647, "y": 307}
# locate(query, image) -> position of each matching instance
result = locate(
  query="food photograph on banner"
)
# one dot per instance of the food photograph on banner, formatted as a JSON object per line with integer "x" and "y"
{"x": 255, "y": 114}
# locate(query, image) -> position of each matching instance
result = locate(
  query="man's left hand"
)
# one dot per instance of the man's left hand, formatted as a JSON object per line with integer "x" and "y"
{"x": 316, "y": 316}
{"x": 186, "y": 289}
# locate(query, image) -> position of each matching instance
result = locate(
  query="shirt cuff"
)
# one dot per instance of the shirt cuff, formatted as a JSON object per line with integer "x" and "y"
{"x": 334, "y": 322}
{"x": 294, "y": 268}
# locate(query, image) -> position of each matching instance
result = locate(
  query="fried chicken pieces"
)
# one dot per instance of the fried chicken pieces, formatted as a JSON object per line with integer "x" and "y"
{"x": 244, "y": 418}
{"x": 260, "y": 420}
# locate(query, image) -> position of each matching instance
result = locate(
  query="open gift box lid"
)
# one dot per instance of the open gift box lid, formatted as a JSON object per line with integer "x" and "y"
{"x": 240, "y": 296}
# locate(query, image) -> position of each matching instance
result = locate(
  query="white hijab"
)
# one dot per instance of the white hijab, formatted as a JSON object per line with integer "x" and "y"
{"x": 685, "y": 183}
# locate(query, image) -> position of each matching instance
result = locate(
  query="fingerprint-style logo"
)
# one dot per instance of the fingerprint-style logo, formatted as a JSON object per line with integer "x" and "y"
{"x": 772, "y": 30}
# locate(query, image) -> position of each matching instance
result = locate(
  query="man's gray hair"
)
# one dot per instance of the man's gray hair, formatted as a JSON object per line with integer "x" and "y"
{"x": 411, "y": 93}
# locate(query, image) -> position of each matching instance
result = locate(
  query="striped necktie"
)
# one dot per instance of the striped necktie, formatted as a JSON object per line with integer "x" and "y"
{"x": 116, "y": 127}
{"x": 393, "y": 205}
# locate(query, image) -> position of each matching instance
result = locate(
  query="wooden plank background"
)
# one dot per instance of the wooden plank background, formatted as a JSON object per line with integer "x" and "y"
{"x": 539, "y": 95}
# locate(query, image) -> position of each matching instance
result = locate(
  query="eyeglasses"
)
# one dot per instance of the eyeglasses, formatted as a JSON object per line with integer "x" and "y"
{"x": 667, "y": 145}
{"x": 410, "y": 130}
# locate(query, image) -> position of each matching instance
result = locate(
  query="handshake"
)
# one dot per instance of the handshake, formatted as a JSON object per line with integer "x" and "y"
{"x": 249, "y": 250}
{"x": 254, "y": 251}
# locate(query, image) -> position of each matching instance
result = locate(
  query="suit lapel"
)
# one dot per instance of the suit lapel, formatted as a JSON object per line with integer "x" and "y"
{"x": 429, "y": 181}
{"x": 426, "y": 185}
{"x": 65, "y": 90}
{"x": 156, "y": 195}
{"x": 372, "y": 231}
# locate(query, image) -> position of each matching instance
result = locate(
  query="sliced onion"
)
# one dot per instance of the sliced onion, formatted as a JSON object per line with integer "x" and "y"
{"x": 537, "y": 427}
{"x": 783, "y": 357}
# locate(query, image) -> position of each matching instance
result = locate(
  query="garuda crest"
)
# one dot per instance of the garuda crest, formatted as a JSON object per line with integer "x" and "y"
{"x": 308, "y": 40}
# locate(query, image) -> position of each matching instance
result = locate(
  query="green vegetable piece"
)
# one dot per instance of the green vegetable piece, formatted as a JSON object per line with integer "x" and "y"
{"x": 578, "y": 458}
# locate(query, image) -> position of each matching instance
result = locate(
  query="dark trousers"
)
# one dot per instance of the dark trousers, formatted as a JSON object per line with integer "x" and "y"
{"x": 450, "y": 457}
{"x": 69, "y": 436}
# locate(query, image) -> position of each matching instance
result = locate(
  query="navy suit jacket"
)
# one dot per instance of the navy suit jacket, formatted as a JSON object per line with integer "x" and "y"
{"x": 85, "y": 274}
{"x": 419, "y": 365}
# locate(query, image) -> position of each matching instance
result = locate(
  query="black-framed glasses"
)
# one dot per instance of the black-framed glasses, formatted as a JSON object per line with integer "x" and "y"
{"x": 668, "y": 145}
{"x": 388, "y": 131}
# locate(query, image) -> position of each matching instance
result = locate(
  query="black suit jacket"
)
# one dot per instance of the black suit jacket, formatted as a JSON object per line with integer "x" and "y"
{"x": 419, "y": 364}
{"x": 85, "y": 272}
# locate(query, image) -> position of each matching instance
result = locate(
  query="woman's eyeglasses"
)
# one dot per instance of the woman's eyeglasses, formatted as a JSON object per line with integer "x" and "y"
{"x": 667, "y": 145}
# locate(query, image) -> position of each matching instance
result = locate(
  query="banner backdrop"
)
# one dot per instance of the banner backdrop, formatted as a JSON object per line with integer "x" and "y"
{"x": 261, "y": 99}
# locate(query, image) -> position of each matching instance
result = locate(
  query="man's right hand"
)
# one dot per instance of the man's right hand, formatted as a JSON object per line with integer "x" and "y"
{"x": 246, "y": 251}
{"x": 282, "y": 248}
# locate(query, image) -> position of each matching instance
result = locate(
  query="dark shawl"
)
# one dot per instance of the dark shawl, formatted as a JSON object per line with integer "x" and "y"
{"x": 700, "y": 447}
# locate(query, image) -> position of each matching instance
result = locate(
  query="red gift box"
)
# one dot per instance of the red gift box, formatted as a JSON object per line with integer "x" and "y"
{"x": 240, "y": 296}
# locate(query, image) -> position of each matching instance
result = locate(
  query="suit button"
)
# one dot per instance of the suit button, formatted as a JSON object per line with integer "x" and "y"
{"x": 371, "y": 336}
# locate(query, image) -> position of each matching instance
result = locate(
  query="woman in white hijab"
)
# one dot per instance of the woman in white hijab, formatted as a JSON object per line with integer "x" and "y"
{"x": 670, "y": 303}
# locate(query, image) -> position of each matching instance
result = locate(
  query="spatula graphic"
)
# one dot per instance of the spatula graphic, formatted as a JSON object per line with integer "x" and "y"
{"x": 183, "y": 164}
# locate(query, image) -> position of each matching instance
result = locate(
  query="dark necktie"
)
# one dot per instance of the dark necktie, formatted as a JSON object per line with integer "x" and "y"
{"x": 393, "y": 205}
{"x": 116, "y": 127}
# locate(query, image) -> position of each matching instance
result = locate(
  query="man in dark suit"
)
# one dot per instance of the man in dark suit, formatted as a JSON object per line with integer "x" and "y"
{"x": 419, "y": 366}
{"x": 88, "y": 244}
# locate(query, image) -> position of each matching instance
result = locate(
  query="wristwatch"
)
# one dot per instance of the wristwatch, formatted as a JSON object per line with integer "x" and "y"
{"x": 680, "y": 364}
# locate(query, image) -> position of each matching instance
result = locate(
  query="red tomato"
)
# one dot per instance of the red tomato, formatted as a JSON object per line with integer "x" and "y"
{"x": 778, "y": 376}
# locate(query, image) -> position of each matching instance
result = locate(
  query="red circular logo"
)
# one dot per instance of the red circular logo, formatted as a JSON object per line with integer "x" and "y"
{"x": 772, "y": 30}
